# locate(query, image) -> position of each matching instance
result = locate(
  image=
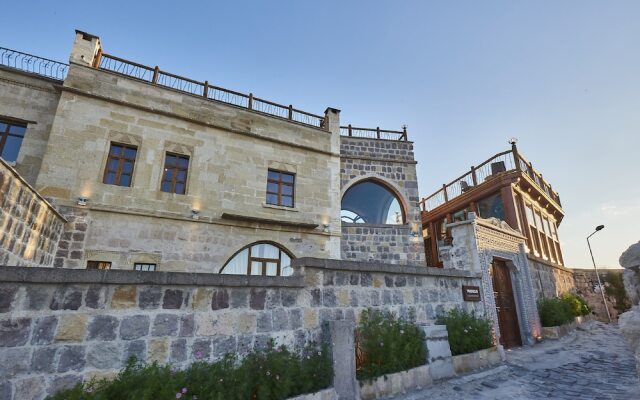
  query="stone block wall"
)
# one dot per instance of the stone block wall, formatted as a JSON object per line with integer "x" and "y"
{"x": 586, "y": 285}
{"x": 30, "y": 227}
{"x": 59, "y": 326}
{"x": 392, "y": 164}
{"x": 550, "y": 280}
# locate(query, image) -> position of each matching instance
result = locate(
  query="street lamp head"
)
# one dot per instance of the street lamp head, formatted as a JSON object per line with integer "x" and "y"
{"x": 599, "y": 228}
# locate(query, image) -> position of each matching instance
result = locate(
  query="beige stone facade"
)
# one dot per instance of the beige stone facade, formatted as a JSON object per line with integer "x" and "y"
{"x": 230, "y": 150}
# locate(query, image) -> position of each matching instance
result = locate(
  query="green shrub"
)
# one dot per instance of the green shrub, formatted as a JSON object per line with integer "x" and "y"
{"x": 389, "y": 344}
{"x": 578, "y": 305}
{"x": 555, "y": 312}
{"x": 467, "y": 333}
{"x": 273, "y": 373}
{"x": 615, "y": 289}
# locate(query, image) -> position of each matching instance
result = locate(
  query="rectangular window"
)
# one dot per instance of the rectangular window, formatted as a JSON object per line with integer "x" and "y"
{"x": 144, "y": 267}
{"x": 280, "y": 188}
{"x": 544, "y": 249}
{"x": 98, "y": 265}
{"x": 533, "y": 234}
{"x": 174, "y": 179}
{"x": 491, "y": 207}
{"x": 119, "y": 169}
{"x": 11, "y": 135}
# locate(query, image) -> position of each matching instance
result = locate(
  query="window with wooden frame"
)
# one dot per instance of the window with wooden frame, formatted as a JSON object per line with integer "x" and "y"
{"x": 544, "y": 249}
{"x": 533, "y": 234}
{"x": 119, "y": 168}
{"x": 98, "y": 264}
{"x": 11, "y": 136}
{"x": 260, "y": 258}
{"x": 147, "y": 267}
{"x": 174, "y": 178}
{"x": 280, "y": 188}
{"x": 547, "y": 232}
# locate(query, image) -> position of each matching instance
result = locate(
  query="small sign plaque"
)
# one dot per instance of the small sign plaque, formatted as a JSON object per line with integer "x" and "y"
{"x": 471, "y": 293}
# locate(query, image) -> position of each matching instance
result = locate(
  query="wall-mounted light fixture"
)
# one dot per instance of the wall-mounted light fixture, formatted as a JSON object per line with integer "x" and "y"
{"x": 415, "y": 230}
{"x": 82, "y": 201}
{"x": 325, "y": 228}
{"x": 195, "y": 214}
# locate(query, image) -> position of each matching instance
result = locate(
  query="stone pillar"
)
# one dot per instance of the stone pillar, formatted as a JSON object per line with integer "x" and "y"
{"x": 440, "y": 361}
{"x": 344, "y": 359}
{"x": 86, "y": 47}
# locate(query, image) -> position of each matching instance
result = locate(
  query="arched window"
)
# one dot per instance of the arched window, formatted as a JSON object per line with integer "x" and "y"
{"x": 369, "y": 202}
{"x": 260, "y": 258}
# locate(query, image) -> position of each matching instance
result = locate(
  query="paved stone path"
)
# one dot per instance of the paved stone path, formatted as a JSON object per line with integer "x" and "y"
{"x": 592, "y": 363}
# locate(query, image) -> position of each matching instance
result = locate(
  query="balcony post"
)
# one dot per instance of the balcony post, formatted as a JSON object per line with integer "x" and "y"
{"x": 290, "y": 111}
{"x": 250, "y": 105}
{"x": 516, "y": 156}
{"x": 156, "y": 71}
{"x": 378, "y": 132}
{"x": 205, "y": 91}
{"x": 444, "y": 189}
{"x": 473, "y": 175}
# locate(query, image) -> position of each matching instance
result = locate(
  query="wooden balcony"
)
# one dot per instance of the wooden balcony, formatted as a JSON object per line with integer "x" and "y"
{"x": 509, "y": 165}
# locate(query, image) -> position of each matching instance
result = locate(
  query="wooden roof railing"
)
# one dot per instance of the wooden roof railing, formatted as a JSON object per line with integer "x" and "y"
{"x": 506, "y": 161}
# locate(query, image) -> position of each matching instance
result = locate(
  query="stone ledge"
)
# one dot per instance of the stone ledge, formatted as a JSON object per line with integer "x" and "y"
{"x": 360, "y": 266}
{"x": 125, "y": 277}
{"x": 480, "y": 359}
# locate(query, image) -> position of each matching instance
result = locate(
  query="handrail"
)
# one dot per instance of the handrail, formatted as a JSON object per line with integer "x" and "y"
{"x": 374, "y": 133}
{"x": 210, "y": 92}
{"x": 479, "y": 174}
{"x": 33, "y": 64}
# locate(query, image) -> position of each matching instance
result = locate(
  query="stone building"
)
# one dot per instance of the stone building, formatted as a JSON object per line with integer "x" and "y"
{"x": 224, "y": 220}
{"x": 155, "y": 171}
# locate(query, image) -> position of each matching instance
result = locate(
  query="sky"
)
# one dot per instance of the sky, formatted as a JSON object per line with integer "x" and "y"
{"x": 561, "y": 76}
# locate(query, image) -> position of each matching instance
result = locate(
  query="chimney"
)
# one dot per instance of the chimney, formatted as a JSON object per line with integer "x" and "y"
{"x": 86, "y": 49}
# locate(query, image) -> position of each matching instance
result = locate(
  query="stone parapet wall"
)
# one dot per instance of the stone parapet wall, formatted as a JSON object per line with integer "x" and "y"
{"x": 586, "y": 285}
{"x": 378, "y": 149}
{"x": 29, "y": 225}
{"x": 59, "y": 326}
{"x": 549, "y": 280}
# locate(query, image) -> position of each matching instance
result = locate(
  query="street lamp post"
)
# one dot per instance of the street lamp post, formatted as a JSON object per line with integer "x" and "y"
{"x": 606, "y": 307}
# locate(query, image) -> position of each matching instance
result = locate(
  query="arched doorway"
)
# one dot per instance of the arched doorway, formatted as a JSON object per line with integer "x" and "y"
{"x": 505, "y": 304}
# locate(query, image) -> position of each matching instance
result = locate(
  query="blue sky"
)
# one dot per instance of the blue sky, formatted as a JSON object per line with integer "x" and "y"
{"x": 562, "y": 77}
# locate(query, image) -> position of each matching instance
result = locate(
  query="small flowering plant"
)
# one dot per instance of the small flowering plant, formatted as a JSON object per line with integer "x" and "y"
{"x": 467, "y": 332}
{"x": 270, "y": 373}
{"x": 387, "y": 344}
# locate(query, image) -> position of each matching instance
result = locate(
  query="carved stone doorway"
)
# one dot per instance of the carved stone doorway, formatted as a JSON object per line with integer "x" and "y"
{"x": 505, "y": 304}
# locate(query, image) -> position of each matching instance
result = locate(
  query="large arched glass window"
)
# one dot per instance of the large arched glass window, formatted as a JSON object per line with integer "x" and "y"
{"x": 261, "y": 258}
{"x": 369, "y": 202}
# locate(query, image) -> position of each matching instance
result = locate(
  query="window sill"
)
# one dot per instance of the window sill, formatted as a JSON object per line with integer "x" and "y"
{"x": 283, "y": 208}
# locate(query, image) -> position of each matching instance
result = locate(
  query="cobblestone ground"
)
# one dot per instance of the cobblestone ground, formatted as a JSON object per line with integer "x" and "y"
{"x": 592, "y": 363}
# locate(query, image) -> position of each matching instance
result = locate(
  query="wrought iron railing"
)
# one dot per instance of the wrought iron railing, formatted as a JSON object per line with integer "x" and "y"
{"x": 496, "y": 165}
{"x": 374, "y": 133}
{"x": 33, "y": 64}
{"x": 204, "y": 89}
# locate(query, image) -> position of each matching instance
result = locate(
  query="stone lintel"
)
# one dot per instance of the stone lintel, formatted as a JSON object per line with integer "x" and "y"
{"x": 126, "y": 277}
{"x": 238, "y": 217}
{"x": 365, "y": 266}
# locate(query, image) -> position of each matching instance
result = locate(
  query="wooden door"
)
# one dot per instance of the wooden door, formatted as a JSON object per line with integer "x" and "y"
{"x": 505, "y": 305}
